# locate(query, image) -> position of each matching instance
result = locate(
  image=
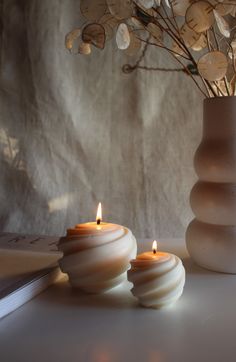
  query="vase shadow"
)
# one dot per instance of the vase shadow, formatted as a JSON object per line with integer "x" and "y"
{"x": 192, "y": 268}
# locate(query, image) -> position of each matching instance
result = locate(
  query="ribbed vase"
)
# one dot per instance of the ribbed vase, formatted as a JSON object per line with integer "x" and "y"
{"x": 211, "y": 236}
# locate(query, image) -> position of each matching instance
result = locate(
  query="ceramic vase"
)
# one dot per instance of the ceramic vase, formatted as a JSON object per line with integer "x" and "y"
{"x": 211, "y": 236}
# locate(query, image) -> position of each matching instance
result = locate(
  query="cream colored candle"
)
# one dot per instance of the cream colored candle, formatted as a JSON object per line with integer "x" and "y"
{"x": 158, "y": 278}
{"x": 97, "y": 254}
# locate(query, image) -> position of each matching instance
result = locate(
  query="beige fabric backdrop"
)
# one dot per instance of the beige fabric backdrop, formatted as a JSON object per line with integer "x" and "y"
{"x": 75, "y": 130}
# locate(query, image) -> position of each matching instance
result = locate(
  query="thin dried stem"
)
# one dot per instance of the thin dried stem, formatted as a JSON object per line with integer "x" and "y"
{"x": 168, "y": 18}
{"x": 207, "y": 89}
{"x": 226, "y": 85}
{"x": 220, "y": 92}
{"x": 186, "y": 51}
{"x": 215, "y": 38}
{"x": 178, "y": 44}
{"x": 176, "y": 24}
{"x": 174, "y": 37}
{"x": 208, "y": 41}
{"x": 160, "y": 69}
{"x": 163, "y": 47}
{"x": 189, "y": 73}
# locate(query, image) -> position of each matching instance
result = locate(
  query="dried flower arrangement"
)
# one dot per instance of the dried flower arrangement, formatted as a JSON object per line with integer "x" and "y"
{"x": 199, "y": 35}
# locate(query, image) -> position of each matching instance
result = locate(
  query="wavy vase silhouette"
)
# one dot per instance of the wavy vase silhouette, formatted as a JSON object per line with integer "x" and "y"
{"x": 211, "y": 236}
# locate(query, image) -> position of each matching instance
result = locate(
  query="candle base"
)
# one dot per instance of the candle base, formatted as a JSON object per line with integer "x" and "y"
{"x": 97, "y": 262}
{"x": 99, "y": 288}
{"x": 157, "y": 285}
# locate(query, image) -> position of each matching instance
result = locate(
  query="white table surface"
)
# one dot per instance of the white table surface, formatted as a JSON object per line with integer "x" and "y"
{"x": 65, "y": 326}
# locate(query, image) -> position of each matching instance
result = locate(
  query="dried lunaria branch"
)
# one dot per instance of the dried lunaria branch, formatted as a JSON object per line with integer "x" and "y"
{"x": 199, "y": 35}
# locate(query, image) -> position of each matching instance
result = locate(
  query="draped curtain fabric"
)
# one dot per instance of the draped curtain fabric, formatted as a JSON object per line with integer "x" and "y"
{"x": 75, "y": 130}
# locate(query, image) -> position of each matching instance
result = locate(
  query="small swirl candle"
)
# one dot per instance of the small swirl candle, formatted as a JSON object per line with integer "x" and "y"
{"x": 97, "y": 254}
{"x": 158, "y": 278}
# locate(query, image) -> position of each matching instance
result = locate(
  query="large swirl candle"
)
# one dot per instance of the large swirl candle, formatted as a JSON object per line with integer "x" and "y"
{"x": 158, "y": 278}
{"x": 97, "y": 255}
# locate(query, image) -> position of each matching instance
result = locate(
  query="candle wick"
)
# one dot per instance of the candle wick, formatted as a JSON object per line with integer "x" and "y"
{"x": 98, "y": 221}
{"x": 154, "y": 251}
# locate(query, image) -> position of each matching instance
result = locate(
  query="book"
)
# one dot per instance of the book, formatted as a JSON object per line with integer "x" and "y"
{"x": 28, "y": 265}
{"x": 14, "y": 292}
{"x": 22, "y": 254}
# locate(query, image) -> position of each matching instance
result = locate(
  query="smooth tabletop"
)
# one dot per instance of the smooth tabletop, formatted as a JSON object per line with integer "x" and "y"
{"x": 63, "y": 325}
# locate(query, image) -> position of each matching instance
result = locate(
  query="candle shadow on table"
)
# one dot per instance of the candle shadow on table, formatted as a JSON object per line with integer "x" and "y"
{"x": 117, "y": 298}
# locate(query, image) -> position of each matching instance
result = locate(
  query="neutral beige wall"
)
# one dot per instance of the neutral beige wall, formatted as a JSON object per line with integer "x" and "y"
{"x": 75, "y": 130}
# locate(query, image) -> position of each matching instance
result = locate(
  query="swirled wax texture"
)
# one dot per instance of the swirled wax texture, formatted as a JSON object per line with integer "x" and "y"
{"x": 96, "y": 257}
{"x": 158, "y": 279}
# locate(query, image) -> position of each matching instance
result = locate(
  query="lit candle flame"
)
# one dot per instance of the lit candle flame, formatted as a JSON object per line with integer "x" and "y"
{"x": 99, "y": 214}
{"x": 154, "y": 247}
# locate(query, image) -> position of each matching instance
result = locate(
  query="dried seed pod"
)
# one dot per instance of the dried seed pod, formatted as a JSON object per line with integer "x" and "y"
{"x": 147, "y": 4}
{"x": 84, "y": 48}
{"x": 199, "y": 16}
{"x": 200, "y": 44}
{"x": 121, "y": 9}
{"x": 233, "y": 11}
{"x": 224, "y": 9}
{"x": 157, "y": 2}
{"x": 94, "y": 34}
{"x": 109, "y": 22}
{"x": 134, "y": 46}
{"x": 156, "y": 32}
{"x": 135, "y": 22}
{"x": 177, "y": 50}
{"x": 213, "y": 65}
{"x": 167, "y": 3}
{"x": 122, "y": 36}
{"x": 233, "y": 84}
{"x": 189, "y": 36}
{"x": 71, "y": 37}
{"x": 222, "y": 24}
{"x": 232, "y": 49}
{"x": 93, "y": 10}
{"x": 180, "y": 6}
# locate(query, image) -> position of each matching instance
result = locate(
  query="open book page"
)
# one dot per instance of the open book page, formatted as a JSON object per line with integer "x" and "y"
{"x": 22, "y": 254}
